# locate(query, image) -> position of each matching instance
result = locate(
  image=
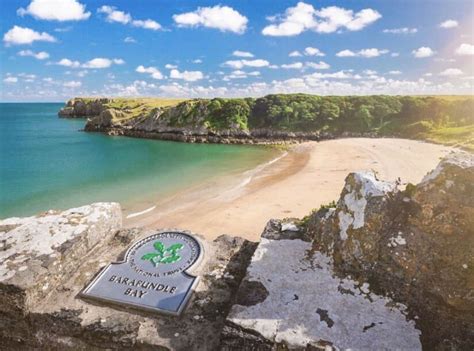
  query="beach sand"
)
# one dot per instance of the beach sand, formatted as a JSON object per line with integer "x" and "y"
{"x": 305, "y": 177}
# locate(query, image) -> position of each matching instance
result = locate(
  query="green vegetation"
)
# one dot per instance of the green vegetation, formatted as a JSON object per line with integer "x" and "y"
{"x": 443, "y": 119}
{"x": 129, "y": 108}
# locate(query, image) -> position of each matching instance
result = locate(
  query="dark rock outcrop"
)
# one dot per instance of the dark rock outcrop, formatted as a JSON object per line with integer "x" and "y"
{"x": 83, "y": 108}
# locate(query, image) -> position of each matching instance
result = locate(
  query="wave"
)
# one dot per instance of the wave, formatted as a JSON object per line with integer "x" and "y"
{"x": 136, "y": 214}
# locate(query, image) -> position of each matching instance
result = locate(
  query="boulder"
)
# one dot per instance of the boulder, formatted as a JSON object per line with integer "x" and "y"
{"x": 290, "y": 298}
{"x": 415, "y": 246}
{"x": 47, "y": 260}
{"x": 39, "y": 254}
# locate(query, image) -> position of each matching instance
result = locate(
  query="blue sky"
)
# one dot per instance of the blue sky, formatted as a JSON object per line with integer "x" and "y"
{"x": 55, "y": 49}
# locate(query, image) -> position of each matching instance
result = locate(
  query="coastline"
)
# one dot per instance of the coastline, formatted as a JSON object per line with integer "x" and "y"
{"x": 309, "y": 175}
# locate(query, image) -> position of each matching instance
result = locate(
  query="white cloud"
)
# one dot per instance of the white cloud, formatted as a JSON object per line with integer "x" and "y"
{"x": 304, "y": 17}
{"x": 395, "y": 72}
{"x": 423, "y": 52}
{"x": 238, "y": 74}
{"x": 450, "y": 23}
{"x": 10, "y": 80}
{"x": 395, "y": 54}
{"x": 147, "y": 24}
{"x": 367, "y": 53}
{"x": 63, "y": 30}
{"x": 22, "y": 35}
{"x": 42, "y": 55}
{"x": 114, "y": 15}
{"x": 451, "y": 72}
{"x": 346, "y": 53}
{"x": 403, "y": 30}
{"x": 238, "y": 64}
{"x": 170, "y": 66}
{"x": 296, "y": 65}
{"x": 96, "y": 63}
{"x": 441, "y": 59}
{"x": 369, "y": 72}
{"x": 48, "y": 80}
{"x": 239, "y": 53}
{"x": 56, "y": 10}
{"x": 152, "y": 71}
{"x": 295, "y": 54}
{"x": 219, "y": 17}
{"x": 465, "y": 49}
{"x": 318, "y": 65}
{"x": 101, "y": 62}
{"x": 129, "y": 40}
{"x": 69, "y": 63}
{"x": 72, "y": 84}
{"x": 189, "y": 76}
{"x": 309, "y": 51}
{"x": 197, "y": 61}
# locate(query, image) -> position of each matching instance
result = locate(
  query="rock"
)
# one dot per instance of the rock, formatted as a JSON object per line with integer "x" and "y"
{"x": 62, "y": 251}
{"x": 411, "y": 245}
{"x": 38, "y": 253}
{"x": 83, "y": 107}
{"x": 291, "y": 299}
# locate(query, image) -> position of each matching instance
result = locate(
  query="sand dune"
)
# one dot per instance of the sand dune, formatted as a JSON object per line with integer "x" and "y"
{"x": 309, "y": 175}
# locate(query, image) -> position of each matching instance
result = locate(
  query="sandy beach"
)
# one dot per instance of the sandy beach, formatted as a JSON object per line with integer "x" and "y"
{"x": 305, "y": 177}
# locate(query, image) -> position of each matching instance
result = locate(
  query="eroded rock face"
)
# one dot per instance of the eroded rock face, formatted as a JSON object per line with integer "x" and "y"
{"x": 297, "y": 302}
{"x": 37, "y": 254}
{"x": 81, "y": 108}
{"x": 414, "y": 245}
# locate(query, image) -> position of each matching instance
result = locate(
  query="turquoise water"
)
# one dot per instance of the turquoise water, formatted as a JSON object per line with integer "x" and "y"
{"x": 46, "y": 163}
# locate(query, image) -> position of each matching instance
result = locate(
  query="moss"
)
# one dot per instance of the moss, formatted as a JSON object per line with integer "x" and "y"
{"x": 462, "y": 136}
{"x": 410, "y": 190}
{"x": 325, "y": 207}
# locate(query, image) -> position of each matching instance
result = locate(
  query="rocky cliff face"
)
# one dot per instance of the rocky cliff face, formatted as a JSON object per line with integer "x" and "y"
{"x": 82, "y": 108}
{"x": 182, "y": 122}
{"x": 384, "y": 269}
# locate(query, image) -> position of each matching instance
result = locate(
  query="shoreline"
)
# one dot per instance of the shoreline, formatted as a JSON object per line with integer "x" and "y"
{"x": 309, "y": 175}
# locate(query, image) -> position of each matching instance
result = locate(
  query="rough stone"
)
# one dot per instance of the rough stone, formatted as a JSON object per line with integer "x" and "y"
{"x": 411, "y": 245}
{"x": 307, "y": 306}
{"x": 55, "y": 317}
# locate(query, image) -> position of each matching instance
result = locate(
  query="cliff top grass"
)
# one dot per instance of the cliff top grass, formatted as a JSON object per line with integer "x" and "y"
{"x": 462, "y": 136}
{"x": 135, "y": 107}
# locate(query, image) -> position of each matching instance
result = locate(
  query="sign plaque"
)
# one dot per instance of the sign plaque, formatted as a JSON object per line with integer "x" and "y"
{"x": 153, "y": 275}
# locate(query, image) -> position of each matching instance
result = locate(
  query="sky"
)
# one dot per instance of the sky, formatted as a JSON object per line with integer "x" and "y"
{"x": 53, "y": 50}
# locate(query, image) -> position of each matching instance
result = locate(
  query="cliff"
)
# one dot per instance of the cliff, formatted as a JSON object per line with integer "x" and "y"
{"x": 382, "y": 269}
{"x": 281, "y": 118}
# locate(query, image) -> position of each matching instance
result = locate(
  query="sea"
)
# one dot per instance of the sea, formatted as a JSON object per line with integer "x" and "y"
{"x": 48, "y": 162}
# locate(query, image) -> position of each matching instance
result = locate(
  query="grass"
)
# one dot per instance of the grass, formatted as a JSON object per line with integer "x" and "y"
{"x": 134, "y": 107}
{"x": 462, "y": 137}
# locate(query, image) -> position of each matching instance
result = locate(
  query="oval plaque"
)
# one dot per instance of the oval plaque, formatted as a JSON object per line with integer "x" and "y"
{"x": 153, "y": 275}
